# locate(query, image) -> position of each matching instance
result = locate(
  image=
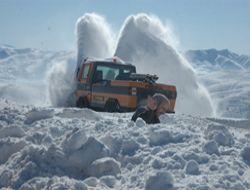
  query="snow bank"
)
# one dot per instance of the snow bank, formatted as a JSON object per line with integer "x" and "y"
{"x": 81, "y": 149}
{"x": 146, "y": 42}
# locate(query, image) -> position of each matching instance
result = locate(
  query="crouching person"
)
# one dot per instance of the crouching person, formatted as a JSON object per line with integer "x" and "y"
{"x": 157, "y": 105}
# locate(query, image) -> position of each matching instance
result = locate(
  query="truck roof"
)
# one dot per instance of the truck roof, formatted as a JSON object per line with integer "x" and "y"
{"x": 115, "y": 60}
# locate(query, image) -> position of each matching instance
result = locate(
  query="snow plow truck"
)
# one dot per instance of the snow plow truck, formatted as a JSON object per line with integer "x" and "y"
{"x": 114, "y": 86}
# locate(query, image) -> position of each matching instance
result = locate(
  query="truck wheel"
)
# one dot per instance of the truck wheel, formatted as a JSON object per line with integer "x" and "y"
{"x": 82, "y": 102}
{"x": 112, "y": 106}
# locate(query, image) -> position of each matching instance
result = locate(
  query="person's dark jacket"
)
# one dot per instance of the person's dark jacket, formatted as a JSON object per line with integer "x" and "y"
{"x": 148, "y": 115}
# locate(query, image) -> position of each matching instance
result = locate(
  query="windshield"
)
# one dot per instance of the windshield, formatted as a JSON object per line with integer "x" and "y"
{"x": 113, "y": 72}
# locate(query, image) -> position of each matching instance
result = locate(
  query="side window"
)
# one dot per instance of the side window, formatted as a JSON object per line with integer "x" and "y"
{"x": 111, "y": 73}
{"x": 107, "y": 73}
{"x": 85, "y": 72}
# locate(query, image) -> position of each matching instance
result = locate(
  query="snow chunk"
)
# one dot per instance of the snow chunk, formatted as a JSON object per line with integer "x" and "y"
{"x": 104, "y": 167}
{"x": 40, "y": 138}
{"x": 224, "y": 139}
{"x": 10, "y": 146}
{"x": 113, "y": 143}
{"x": 5, "y": 178}
{"x": 238, "y": 186}
{"x": 200, "y": 158}
{"x": 158, "y": 163}
{"x": 87, "y": 153}
{"x": 163, "y": 137}
{"x": 12, "y": 131}
{"x": 220, "y": 134}
{"x": 74, "y": 140}
{"x": 245, "y": 153}
{"x": 53, "y": 183}
{"x": 213, "y": 167}
{"x": 87, "y": 114}
{"x": 211, "y": 148}
{"x": 91, "y": 181}
{"x": 129, "y": 147}
{"x": 36, "y": 115}
{"x": 192, "y": 168}
{"x": 203, "y": 187}
{"x": 179, "y": 159}
{"x": 110, "y": 181}
{"x": 158, "y": 138}
{"x": 140, "y": 122}
{"x": 159, "y": 181}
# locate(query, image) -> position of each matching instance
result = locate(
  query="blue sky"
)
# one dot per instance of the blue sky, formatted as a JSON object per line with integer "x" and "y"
{"x": 198, "y": 24}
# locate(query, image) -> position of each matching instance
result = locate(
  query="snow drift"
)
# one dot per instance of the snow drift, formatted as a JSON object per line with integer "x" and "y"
{"x": 146, "y": 42}
{"x": 70, "y": 148}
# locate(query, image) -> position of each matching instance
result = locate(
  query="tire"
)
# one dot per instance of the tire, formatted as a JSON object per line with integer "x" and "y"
{"x": 82, "y": 102}
{"x": 112, "y": 105}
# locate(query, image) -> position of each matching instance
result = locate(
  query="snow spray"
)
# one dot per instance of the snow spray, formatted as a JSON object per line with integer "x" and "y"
{"x": 147, "y": 43}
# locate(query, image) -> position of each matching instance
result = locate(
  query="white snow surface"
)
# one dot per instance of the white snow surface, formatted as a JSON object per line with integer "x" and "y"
{"x": 70, "y": 148}
{"x": 229, "y": 90}
{"x": 227, "y": 78}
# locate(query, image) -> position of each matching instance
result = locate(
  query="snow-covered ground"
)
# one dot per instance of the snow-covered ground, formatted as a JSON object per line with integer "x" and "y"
{"x": 230, "y": 91}
{"x": 35, "y": 77}
{"x": 44, "y": 145}
{"x": 69, "y": 148}
{"x": 226, "y": 75}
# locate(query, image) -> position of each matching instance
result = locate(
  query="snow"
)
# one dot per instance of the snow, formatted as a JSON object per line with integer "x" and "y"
{"x": 211, "y": 147}
{"x": 228, "y": 85}
{"x": 221, "y": 59}
{"x": 147, "y": 43}
{"x": 192, "y": 168}
{"x": 161, "y": 180}
{"x": 83, "y": 149}
{"x": 45, "y": 145}
{"x": 28, "y": 75}
{"x": 246, "y": 155}
{"x": 94, "y": 37}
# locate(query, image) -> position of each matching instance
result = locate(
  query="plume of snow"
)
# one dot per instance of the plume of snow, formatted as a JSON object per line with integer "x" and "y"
{"x": 94, "y": 37}
{"x": 61, "y": 84}
{"x": 144, "y": 41}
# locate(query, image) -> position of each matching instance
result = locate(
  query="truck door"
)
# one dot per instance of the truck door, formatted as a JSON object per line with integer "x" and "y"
{"x": 83, "y": 84}
{"x": 101, "y": 84}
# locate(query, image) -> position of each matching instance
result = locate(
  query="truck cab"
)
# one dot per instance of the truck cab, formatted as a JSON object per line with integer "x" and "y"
{"x": 108, "y": 85}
